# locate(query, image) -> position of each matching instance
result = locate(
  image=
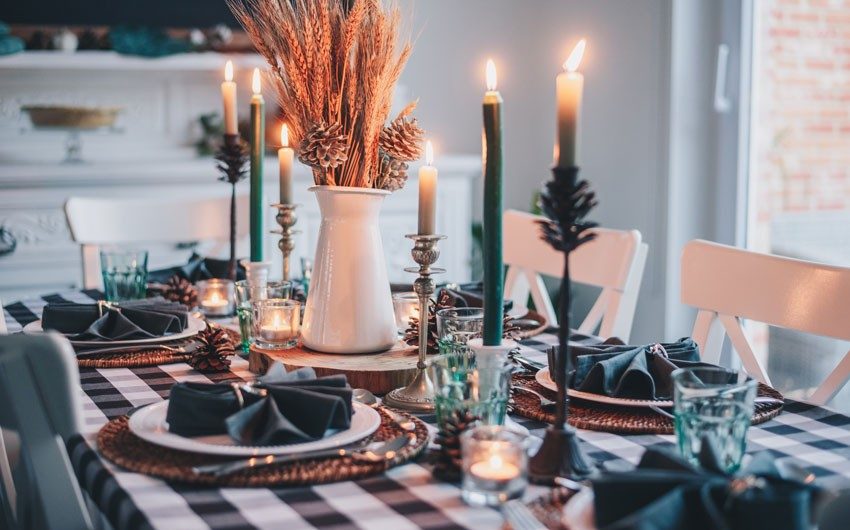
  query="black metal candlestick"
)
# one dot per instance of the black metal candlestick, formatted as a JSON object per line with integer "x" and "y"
{"x": 232, "y": 158}
{"x": 565, "y": 201}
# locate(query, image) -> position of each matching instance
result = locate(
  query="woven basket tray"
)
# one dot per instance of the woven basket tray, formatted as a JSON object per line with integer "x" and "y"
{"x": 122, "y": 447}
{"x": 619, "y": 420}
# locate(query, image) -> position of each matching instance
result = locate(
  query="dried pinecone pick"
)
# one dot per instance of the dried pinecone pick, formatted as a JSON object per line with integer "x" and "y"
{"x": 393, "y": 173}
{"x": 214, "y": 352}
{"x": 448, "y": 464}
{"x": 402, "y": 139}
{"x": 181, "y": 290}
{"x": 324, "y": 146}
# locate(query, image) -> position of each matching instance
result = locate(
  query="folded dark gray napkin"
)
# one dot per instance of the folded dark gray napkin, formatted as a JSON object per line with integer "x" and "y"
{"x": 130, "y": 320}
{"x": 665, "y": 492}
{"x": 627, "y": 371}
{"x": 297, "y": 407}
{"x": 197, "y": 268}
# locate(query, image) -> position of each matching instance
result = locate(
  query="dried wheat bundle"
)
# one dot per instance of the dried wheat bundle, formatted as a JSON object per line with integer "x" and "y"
{"x": 335, "y": 64}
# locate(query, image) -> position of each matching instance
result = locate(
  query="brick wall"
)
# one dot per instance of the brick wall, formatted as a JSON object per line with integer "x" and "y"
{"x": 801, "y": 104}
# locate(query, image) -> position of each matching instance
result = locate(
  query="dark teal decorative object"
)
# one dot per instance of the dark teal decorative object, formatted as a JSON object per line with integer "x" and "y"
{"x": 10, "y": 45}
{"x": 145, "y": 42}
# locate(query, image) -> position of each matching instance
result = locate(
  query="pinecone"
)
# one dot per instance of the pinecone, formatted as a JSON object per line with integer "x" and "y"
{"x": 402, "y": 139}
{"x": 324, "y": 146}
{"x": 448, "y": 464}
{"x": 181, "y": 290}
{"x": 393, "y": 174}
{"x": 214, "y": 351}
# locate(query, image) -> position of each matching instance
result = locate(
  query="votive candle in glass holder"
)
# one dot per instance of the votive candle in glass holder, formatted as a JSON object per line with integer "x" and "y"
{"x": 495, "y": 465}
{"x": 215, "y": 297}
{"x": 406, "y": 306}
{"x": 277, "y": 323}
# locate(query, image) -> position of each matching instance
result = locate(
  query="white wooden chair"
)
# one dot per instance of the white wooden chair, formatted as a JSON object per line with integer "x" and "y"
{"x": 613, "y": 261}
{"x": 106, "y": 221}
{"x": 728, "y": 284}
{"x": 39, "y": 389}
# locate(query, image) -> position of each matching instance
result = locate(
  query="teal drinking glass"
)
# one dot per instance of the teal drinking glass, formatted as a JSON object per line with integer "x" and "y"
{"x": 713, "y": 405}
{"x": 125, "y": 274}
{"x": 461, "y": 385}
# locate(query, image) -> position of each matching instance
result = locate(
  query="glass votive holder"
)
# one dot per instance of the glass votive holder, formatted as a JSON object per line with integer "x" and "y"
{"x": 276, "y": 323}
{"x": 495, "y": 465}
{"x": 461, "y": 324}
{"x": 406, "y": 306}
{"x": 215, "y": 297}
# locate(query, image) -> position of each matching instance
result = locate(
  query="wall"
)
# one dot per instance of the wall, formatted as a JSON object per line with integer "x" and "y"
{"x": 626, "y": 66}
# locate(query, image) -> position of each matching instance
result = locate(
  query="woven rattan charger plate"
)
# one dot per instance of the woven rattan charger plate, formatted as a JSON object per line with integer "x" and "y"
{"x": 618, "y": 420}
{"x": 122, "y": 447}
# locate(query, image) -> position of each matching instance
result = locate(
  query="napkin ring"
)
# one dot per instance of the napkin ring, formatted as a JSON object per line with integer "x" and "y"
{"x": 105, "y": 305}
{"x": 237, "y": 391}
{"x": 658, "y": 349}
{"x": 741, "y": 485}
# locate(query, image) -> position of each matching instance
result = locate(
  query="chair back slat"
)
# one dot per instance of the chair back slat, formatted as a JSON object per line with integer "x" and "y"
{"x": 39, "y": 384}
{"x": 95, "y": 222}
{"x": 729, "y": 284}
{"x": 614, "y": 261}
{"x": 775, "y": 290}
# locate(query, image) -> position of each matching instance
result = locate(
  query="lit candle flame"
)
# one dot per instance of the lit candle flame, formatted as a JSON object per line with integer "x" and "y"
{"x": 228, "y": 71}
{"x": 255, "y": 82}
{"x": 496, "y": 462}
{"x": 429, "y": 153}
{"x": 284, "y": 135}
{"x": 491, "y": 75}
{"x": 215, "y": 297}
{"x": 572, "y": 62}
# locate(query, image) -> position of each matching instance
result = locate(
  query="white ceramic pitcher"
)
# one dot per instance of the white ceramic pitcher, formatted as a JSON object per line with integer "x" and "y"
{"x": 349, "y": 305}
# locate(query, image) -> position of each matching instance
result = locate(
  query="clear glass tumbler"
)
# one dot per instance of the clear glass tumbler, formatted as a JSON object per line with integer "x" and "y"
{"x": 713, "y": 405}
{"x": 495, "y": 465}
{"x": 456, "y": 326}
{"x": 125, "y": 274}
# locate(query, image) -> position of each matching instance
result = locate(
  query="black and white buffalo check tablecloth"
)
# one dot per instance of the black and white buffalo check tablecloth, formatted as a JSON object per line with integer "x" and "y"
{"x": 405, "y": 497}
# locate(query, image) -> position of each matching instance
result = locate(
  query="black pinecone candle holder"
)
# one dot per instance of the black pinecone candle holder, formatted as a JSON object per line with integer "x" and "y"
{"x": 232, "y": 159}
{"x": 566, "y": 201}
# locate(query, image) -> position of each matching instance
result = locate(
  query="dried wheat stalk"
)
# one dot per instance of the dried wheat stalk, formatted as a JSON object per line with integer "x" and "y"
{"x": 333, "y": 62}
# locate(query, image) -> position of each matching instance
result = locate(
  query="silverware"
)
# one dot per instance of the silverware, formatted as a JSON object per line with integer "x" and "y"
{"x": 361, "y": 395}
{"x": 532, "y": 366}
{"x": 545, "y": 403}
{"x": 373, "y": 452}
{"x": 659, "y": 410}
{"x": 571, "y": 485}
{"x": 520, "y": 517}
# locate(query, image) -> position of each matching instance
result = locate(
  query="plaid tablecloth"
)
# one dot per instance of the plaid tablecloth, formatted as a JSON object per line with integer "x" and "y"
{"x": 405, "y": 497}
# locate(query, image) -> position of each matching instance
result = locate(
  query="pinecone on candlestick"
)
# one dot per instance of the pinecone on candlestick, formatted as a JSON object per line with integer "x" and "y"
{"x": 448, "y": 464}
{"x": 181, "y": 290}
{"x": 393, "y": 173}
{"x": 214, "y": 351}
{"x": 402, "y": 139}
{"x": 324, "y": 147}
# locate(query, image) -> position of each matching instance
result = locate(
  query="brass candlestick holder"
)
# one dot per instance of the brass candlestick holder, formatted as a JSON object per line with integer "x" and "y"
{"x": 418, "y": 396}
{"x": 286, "y": 218}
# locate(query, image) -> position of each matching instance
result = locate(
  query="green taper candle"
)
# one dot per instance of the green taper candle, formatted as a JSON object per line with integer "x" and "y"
{"x": 492, "y": 229}
{"x": 258, "y": 149}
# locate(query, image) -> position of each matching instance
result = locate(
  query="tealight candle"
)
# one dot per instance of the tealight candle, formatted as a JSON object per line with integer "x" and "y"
{"x": 494, "y": 465}
{"x": 277, "y": 323}
{"x": 216, "y": 297}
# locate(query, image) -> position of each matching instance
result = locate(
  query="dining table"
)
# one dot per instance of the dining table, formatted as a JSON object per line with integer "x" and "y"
{"x": 408, "y": 496}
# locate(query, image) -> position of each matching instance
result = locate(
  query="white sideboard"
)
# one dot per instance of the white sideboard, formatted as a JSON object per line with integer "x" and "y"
{"x": 151, "y": 157}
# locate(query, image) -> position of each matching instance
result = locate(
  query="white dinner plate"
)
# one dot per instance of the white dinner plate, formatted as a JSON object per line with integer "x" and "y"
{"x": 545, "y": 380}
{"x": 194, "y": 325}
{"x": 149, "y": 424}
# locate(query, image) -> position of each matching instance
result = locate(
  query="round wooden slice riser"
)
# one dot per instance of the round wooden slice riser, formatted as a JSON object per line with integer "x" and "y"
{"x": 377, "y": 372}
